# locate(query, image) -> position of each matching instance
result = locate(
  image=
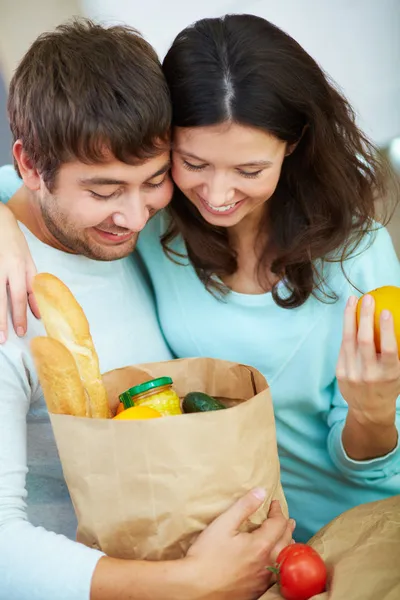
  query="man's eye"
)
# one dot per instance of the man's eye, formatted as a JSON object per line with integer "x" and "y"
{"x": 100, "y": 196}
{"x": 157, "y": 185}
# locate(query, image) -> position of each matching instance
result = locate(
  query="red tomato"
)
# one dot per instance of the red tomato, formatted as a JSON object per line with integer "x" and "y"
{"x": 302, "y": 572}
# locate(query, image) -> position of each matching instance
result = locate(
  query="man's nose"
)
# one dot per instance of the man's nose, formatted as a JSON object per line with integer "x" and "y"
{"x": 133, "y": 214}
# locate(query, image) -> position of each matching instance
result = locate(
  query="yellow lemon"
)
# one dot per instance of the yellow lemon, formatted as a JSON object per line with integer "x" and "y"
{"x": 386, "y": 298}
{"x": 138, "y": 412}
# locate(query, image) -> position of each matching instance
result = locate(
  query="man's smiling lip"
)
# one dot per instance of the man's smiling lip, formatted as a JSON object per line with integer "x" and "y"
{"x": 116, "y": 239}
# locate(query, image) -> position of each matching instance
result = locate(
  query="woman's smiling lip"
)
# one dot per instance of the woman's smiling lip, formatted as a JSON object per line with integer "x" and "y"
{"x": 218, "y": 212}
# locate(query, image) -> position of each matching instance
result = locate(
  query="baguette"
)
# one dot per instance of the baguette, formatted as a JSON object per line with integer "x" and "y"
{"x": 65, "y": 321}
{"x": 58, "y": 375}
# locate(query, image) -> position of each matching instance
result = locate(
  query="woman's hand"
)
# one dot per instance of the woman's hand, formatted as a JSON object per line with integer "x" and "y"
{"x": 17, "y": 270}
{"x": 369, "y": 382}
{"x": 234, "y": 562}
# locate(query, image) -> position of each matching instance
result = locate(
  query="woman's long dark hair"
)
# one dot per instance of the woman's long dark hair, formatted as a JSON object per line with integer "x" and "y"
{"x": 243, "y": 69}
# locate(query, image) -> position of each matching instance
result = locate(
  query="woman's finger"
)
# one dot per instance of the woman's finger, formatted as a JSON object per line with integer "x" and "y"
{"x": 285, "y": 540}
{"x": 33, "y": 305}
{"x": 3, "y": 309}
{"x": 348, "y": 349}
{"x": 341, "y": 364}
{"x": 365, "y": 335}
{"x": 19, "y": 301}
{"x": 389, "y": 348}
{"x": 30, "y": 274}
{"x": 274, "y": 527}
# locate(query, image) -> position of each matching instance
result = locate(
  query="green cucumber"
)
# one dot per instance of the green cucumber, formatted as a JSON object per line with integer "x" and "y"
{"x": 200, "y": 402}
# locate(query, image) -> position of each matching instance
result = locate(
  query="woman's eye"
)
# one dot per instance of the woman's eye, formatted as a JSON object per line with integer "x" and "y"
{"x": 100, "y": 196}
{"x": 251, "y": 175}
{"x": 191, "y": 167}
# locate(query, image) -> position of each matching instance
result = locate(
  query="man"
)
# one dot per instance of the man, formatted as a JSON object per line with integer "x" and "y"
{"x": 90, "y": 114}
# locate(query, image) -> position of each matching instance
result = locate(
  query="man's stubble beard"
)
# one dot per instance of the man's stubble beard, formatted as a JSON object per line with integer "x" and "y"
{"x": 70, "y": 239}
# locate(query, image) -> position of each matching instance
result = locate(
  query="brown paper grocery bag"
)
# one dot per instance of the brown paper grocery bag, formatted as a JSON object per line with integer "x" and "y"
{"x": 145, "y": 489}
{"x": 361, "y": 548}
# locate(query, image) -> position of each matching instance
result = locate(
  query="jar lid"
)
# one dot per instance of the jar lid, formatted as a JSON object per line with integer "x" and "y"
{"x": 153, "y": 384}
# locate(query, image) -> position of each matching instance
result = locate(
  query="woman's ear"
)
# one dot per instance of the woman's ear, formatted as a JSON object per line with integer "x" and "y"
{"x": 292, "y": 147}
{"x": 28, "y": 172}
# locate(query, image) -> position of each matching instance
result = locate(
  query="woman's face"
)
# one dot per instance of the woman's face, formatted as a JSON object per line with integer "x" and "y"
{"x": 227, "y": 171}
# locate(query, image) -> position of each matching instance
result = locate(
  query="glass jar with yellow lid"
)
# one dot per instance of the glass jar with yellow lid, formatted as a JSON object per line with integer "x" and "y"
{"x": 156, "y": 393}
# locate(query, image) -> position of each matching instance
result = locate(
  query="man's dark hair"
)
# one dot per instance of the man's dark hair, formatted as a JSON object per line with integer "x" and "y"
{"x": 84, "y": 91}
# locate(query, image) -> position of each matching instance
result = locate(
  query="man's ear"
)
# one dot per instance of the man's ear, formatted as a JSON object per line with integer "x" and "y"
{"x": 28, "y": 172}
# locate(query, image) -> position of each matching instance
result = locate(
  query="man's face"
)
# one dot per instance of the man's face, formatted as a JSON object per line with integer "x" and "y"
{"x": 98, "y": 210}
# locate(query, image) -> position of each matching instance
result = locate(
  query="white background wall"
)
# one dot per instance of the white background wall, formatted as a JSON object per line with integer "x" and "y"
{"x": 356, "y": 41}
{"x": 21, "y": 21}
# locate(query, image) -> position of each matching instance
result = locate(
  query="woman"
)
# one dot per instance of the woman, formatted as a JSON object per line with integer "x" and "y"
{"x": 270, "y": 231}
